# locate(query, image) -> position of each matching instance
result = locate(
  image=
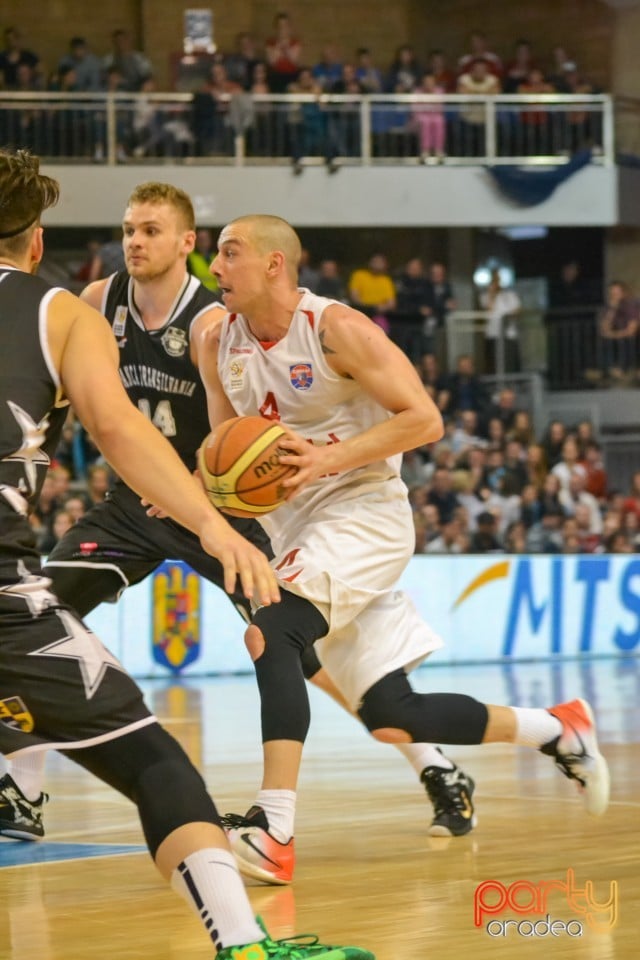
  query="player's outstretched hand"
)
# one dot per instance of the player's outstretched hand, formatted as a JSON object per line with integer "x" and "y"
{"x": 239, "y": 558}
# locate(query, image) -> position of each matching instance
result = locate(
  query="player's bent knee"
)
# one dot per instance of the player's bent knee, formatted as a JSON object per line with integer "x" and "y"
{"x": 394, "y": 713}
{"x": 254, "y": 641}
{"x": 380, "y": 718}
{"x": 150, "y": 767}
{"x": 169, "y": 794}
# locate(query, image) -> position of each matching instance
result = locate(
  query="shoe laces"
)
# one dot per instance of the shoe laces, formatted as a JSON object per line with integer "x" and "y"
{"x": 568, "y": 762}
{"x": 445, "y": 789}
{"x": 255, "y": 817}
{"x": 572, "y": 760}
{"x": 299, "y": 947}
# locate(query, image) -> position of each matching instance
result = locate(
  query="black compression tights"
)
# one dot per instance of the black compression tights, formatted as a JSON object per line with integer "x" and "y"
{"x": 426, "y": 717}
{"x": 149, "y": 767}
{"x": 288, "y": 628}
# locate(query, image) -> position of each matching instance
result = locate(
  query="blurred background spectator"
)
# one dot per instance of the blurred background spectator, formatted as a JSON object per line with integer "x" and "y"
{"x": 85, "y": 64}
{"x": 329, "y": 283}
{"x": 283, "y": 52}
{"x": 372, "y": 290}
{"x": 133, "y": 66}
{"x": 108, "y": 259}
{"x": 201, "y": 258}
{"x": 15, "y": 55}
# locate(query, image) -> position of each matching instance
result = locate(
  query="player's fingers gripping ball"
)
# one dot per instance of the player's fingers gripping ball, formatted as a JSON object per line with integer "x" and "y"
{"x": 239, "y": 464}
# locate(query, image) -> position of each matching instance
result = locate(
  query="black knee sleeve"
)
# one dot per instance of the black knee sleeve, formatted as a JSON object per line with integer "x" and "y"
{"x": 426, "y": 717}
{"x": 288, "y": 628}
{"x": 149, "y": 767}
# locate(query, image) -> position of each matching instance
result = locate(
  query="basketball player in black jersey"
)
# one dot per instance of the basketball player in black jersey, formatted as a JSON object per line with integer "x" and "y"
{"x": 59, "y": 687}
{"x": 160, "y": 316}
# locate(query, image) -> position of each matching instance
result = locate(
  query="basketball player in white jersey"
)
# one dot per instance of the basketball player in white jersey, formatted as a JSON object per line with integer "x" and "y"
{"x": 353, "y": 403}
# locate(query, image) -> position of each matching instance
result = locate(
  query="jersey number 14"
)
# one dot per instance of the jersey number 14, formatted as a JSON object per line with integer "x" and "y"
{"x": 162, "y": 417}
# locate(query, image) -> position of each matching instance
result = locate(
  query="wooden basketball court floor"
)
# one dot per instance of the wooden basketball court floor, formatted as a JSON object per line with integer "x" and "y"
{"x": 367, "y": 871}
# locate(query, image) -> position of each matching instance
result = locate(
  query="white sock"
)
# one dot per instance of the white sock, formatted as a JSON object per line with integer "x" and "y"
{"x": 535, "y": 727}
{"x": 280, "y": 808}
{"x": 210, "y": 883}
{"x": 4, "y": 765}
{"x": 27, "y": 771}
{"x": 421, "y": 755}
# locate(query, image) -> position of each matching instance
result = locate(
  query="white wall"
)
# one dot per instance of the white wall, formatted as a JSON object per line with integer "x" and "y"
{"x": 446, "y": 196}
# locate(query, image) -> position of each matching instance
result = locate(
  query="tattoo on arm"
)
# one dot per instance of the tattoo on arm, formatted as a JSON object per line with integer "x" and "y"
{"x": 327, "y": 350}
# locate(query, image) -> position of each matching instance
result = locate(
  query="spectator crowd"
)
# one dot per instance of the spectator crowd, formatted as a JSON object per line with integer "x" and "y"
{"x": 492, "y": 486}
{"x": 227, "y": 86}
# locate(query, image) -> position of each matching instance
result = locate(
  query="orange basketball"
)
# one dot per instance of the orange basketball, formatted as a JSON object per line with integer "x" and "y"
{"x": 240, "y": 466}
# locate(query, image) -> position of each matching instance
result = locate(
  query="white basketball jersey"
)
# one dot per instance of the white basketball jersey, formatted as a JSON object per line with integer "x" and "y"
{"x": 290, "y": 381}
{"x": 344, "y": 540}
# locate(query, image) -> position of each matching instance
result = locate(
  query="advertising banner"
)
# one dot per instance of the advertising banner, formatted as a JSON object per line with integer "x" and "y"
{"x": 486, "y": 608}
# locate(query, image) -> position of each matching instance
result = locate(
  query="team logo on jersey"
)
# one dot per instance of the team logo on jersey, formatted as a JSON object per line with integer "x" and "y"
{"x": 14, "y": 714}
{"x": 174, "y": 340}
{"x": 120, "y": 321}
{"x": 236, "y": 373}
{"x": 301, "y": 375}
{"x": 176, "y": 616}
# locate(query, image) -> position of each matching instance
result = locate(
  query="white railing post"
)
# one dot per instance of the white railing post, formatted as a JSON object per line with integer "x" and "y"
{"x": 112, "y": 136}
{"x": 608, "y": 132}
{"x": 490, "y": 128}
{"x": 365, "y": 130}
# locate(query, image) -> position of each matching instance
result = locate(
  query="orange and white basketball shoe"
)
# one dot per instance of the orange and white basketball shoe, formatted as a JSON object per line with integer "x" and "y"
{"x": 576, "y": 752}
{"x": 258, "y": 854}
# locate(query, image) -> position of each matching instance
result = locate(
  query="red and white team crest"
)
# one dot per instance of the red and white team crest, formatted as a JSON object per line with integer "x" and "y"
{"x": 301, "y": 375}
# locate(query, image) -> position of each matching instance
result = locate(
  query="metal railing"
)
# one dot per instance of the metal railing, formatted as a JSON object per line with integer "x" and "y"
{"x": 518, "y": 347}
{"x": 245, "y": 128}
{"x": 567, "y": 345}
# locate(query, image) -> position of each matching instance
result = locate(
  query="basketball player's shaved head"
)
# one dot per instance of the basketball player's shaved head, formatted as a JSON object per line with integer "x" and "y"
{"x": 154, "y": 192}
{"x": 24, "y": 194}
{"x": 266, "y": 233}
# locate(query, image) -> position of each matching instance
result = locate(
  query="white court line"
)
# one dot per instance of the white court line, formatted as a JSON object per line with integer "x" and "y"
{"x": 99, "y": 856}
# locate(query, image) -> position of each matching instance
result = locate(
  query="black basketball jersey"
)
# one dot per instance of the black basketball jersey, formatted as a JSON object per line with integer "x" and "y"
{"x": 32, "y": 413}
{"x": 32, "y": 410}
{"x": 155, "y": 365}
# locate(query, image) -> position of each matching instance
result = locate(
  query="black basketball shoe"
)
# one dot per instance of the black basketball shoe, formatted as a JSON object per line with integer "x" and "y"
{"x": 20, "y": 819}
{"x": 450, "y": 792}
